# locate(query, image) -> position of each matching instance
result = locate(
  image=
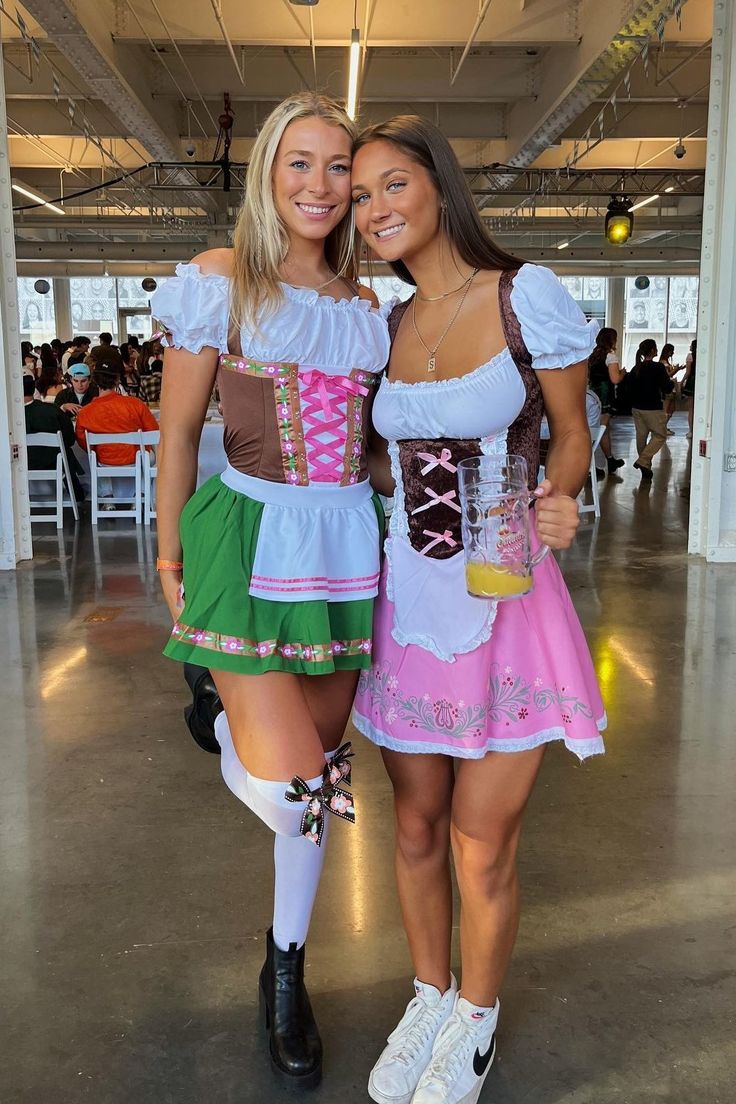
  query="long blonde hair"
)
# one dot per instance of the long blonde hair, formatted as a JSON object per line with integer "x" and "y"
{"x": 260, "y": 239}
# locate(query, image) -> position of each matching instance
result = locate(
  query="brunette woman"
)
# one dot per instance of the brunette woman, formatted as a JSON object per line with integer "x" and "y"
{"x": 650, "y": 383}
{"x": 604, "y": 373}
{"x": 463, "y": 695}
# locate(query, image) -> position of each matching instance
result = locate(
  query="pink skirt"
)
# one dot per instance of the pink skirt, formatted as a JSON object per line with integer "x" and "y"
{"x": 532, "y": 682}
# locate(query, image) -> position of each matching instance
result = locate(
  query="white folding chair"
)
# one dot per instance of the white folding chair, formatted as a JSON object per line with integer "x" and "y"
{"x": 99, "y": 471}
{"x": 596, "y": 436}
{"x": 59, "y": 475}
{"x": 150, "y": 438}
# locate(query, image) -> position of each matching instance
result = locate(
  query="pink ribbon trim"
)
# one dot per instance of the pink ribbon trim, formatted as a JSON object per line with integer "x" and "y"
{"x": 439, "y": 538}
{"x": 438, "y": 500}
{"x": 441, "y": 461}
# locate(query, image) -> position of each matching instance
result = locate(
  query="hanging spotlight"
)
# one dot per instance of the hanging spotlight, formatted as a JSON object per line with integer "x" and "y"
{"x": 352, "y": 100}
{"x": 619, "y": 220}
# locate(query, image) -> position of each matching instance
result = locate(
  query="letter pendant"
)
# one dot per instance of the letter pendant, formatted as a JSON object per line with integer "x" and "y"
{"x": 431, "y": 364}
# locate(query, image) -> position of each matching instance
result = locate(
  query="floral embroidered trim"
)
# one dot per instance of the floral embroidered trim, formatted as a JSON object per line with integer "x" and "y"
{"x": 355, "y": 415}
{"x": 288, "y": 419}
{"x": 263, "y": 649}
{"x": 291, "y": 430}
{"x": 510, "y": 698}
{"x": 328, "y": 797}
{"x": 259, "y": 368}
{"x": 582, "y": 748}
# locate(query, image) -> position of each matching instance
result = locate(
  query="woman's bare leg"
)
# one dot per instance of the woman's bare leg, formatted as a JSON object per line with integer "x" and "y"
{"x": 488, "y": 803}
{"x": 271, "y": 726}
{"x": 422, "y": 799}
{"x": 329, "y": 700}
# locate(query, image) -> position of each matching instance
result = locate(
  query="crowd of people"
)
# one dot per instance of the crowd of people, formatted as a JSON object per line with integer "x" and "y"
{"x": 74, "y": 387}
{"x": 649, "y": 392}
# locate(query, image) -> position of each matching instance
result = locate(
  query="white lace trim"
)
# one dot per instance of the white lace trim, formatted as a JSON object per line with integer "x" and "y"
{"x": 582, "y": 748}
{"x": 453, "y": 381}
{"x": 495, "y": 445}
{"x": 399, "y": 522}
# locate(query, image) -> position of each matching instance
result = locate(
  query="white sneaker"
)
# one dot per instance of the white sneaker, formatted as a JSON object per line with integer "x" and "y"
{"x": 395, "y": 1075}
{"x": 461, "y": 1056}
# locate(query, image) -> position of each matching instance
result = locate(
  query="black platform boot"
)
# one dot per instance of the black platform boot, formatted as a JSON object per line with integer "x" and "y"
{"x": 206, "y": 704}
{"x": 293, "y": 1037}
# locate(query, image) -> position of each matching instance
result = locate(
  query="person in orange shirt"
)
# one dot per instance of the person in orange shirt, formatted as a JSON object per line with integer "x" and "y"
{"x": 111, "y": 412}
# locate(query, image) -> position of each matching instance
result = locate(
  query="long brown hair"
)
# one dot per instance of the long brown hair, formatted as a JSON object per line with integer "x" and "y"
{"x": 460, "y": 222}
{"x": 646, "y": 348}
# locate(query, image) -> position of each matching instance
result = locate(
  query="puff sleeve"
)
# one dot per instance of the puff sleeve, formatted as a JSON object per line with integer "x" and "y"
{"x": 554, "y": 328}
{"x": 193, "y": 309}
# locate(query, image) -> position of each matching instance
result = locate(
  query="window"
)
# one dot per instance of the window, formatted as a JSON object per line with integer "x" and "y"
{"x": 94, "y": 306}
{"x": 36, "y": 312}
{"x": 389, "y": 287}
{"x": 665, "y": 310}
{"x": 589, "y": 292}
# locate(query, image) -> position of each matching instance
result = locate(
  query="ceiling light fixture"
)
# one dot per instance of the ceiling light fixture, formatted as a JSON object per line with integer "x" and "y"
{"x": 38, "y": 198}
{"x": 619, "y": 220}
{"x": 353, "y": 73}
{"x": 563, "y": 245}
{"x": 671, "y": 188}
{"x": 645, "y": 202}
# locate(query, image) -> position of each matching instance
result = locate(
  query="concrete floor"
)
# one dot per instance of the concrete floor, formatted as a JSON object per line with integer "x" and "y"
{"x": 135, "y": 889}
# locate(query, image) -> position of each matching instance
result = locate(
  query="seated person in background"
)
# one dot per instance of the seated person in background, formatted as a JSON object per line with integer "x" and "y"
{"x": 78, "y": 345}
{"x": 31, "y": 363}
{"x": 131, "y": 377}
{"x": 44, "y": 417}
{"x": 112, "y": 412}
{"x": 50, "y": 382}
{"x": 150, "y": 383}
{"x": 81, "y": 393}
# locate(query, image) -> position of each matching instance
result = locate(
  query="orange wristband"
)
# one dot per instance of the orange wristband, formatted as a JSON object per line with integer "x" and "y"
{"x": 169, "y": 565}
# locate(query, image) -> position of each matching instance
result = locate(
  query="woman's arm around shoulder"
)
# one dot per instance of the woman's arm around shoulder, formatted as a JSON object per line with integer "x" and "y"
{"x": 368, "y": 294}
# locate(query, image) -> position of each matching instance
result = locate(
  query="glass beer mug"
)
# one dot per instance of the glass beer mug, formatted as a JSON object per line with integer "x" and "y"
{"x": 494, "y": 496}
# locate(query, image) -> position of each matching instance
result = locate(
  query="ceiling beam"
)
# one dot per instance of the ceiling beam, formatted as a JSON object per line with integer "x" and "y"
{"x": 606, "y": 50}
{"x": 81, "y": 34}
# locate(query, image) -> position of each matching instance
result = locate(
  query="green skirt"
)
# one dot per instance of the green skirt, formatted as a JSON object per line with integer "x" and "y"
{"x": 223, "y": 627}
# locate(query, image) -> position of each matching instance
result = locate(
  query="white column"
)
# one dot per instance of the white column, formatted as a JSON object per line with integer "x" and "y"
{"x": 15, "y": 523}
{"x": 63, "y": 309}
{"x": 713, "y": 486}
{"x": 615, "y": 307}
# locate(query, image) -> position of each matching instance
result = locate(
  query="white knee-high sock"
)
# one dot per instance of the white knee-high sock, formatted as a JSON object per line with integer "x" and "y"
{"x": 298, "y": 866}
{"x": 297, "y": 861}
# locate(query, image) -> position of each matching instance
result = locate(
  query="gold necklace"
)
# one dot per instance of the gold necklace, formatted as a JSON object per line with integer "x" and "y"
{"x": 307, "y": 287}
{"x": 447, "y": 294}
{"x": 432, "y": 362}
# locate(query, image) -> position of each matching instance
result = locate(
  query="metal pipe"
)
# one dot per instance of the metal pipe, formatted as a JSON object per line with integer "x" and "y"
{"x": 314, "y": 47}
{"x": 181, "y": 59}
{"x": 478, "y": 24}
{"x": 218, "y": 16}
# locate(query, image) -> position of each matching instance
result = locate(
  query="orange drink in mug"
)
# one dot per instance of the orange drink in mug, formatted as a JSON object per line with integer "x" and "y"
{"x": 494, "y": 496}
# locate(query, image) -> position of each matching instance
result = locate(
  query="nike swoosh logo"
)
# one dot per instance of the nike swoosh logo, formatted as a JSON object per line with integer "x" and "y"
{"x": 481, "y": 1062}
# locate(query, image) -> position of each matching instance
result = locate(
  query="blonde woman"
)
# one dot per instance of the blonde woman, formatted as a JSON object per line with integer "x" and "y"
{"x": 278, "y": 556}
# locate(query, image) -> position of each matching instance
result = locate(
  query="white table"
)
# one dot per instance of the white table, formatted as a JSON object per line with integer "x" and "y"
{"x": 212, "y": 459}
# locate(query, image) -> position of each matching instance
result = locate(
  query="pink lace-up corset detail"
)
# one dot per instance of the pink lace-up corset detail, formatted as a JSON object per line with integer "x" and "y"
{"x": 306, "y": 422}
{"x": 332, "y": 424}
